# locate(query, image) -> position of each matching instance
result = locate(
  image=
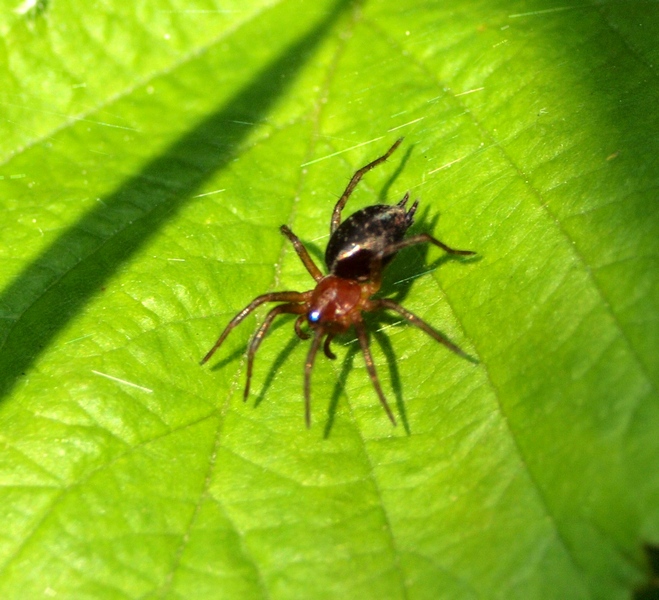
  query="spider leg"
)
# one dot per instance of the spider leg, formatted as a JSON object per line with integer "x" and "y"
{"x": 370, "y": 367}
{"x": 417, "y": 322}
{"x": 290, "y": 308}
{"x": 336, "y": 215}
{"x": 326, "y": 347}
{"x": 298, "y": 327}
{"x": 423, "y": 238}
{"x": 308, "y": 366}
{"x": 271, "y": 297}
{"x": 308, "y": 262}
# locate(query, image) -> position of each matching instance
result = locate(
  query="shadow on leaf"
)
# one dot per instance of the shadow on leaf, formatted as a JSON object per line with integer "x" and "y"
{"x": 136, "y": 212}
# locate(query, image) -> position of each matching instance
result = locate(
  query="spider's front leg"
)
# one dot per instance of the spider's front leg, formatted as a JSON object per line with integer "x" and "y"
{"x": 291, "y": 308}
{"x": 308, "y": 368}
{"x": 362, "y": 336}
{"x": 296, "y": 297}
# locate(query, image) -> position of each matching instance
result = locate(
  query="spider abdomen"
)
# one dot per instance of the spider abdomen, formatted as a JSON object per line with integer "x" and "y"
{"x": 363, "y": 235}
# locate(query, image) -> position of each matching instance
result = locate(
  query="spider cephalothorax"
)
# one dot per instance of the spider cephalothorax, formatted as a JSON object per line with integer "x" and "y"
{"x": 357, "y": 252}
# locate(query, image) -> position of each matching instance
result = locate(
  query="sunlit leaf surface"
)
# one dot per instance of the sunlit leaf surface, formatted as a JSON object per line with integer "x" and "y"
{"x": 149, "y": 153}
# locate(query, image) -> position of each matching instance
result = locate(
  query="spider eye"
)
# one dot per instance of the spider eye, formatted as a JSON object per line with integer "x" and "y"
{"x": 314, "y": 316}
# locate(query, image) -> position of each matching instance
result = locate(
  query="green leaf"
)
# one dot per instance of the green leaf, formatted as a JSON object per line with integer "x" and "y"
{"x": 148, "y": 156}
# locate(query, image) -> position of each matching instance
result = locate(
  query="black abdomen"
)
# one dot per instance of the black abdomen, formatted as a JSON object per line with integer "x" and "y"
{"x": 363, "y": 235}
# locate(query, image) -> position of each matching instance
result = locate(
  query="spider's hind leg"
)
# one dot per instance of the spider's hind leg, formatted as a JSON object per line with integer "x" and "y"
{"x": 302, "y": 252}
{"x": 412, "y": 319}
{"x": 356, "y": 178}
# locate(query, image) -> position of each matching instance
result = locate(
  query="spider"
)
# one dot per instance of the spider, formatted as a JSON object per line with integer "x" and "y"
{"x": 358, "y": 250}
